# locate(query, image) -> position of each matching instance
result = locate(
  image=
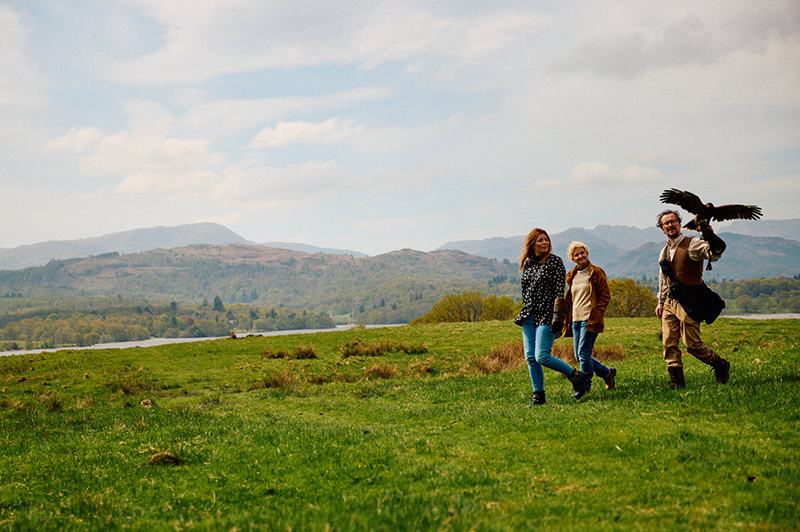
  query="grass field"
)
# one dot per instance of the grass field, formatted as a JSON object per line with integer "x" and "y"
{"x": 405, "y": 428}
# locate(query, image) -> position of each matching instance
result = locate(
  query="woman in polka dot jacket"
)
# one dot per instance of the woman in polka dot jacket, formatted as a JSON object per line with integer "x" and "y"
{"x": 542, "y": 282}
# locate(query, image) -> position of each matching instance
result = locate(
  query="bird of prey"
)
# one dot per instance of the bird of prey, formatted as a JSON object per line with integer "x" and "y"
{"x": 705, "y": 212}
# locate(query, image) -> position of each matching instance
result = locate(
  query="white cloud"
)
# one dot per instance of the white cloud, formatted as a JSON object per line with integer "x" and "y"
{"x": 20, "y": 84}
{"x": 595, "y": 174}
{"x": 701, "y": 38}
{"x": 227, "y": 118}
{"x": 297, "y": 183}
{"x": 334, "y": 130}
{"x": 78, "y": 139}
{"x": 214, "y": 38}
{"x": 187, "y": 186}
{"x": 125, "y": 153}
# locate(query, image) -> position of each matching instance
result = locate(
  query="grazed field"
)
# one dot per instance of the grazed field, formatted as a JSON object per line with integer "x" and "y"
{"x": 407, "y": 428}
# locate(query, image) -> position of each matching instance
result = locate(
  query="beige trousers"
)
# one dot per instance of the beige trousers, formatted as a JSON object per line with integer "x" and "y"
{"x": 677, "y": 325}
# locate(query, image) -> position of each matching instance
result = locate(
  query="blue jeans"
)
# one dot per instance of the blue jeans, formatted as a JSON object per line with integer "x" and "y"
{"x": 538, "y": 341}
{"x": 582, "y": 344}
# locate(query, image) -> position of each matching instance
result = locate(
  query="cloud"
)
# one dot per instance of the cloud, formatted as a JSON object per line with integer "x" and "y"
{"x": 631, "y": 55}
{"x": 206, "y": 39}
{"x": 225, "y": 117}
{"x": 20, "y": 85}
{"x": 148, "y": 161}
{"x": 601, "y": 174}
{"x": 287, "y": 133}
{"x": 696, "y": 40}
{"x": 78, "y": 139}
{"x": 298, "y": 183}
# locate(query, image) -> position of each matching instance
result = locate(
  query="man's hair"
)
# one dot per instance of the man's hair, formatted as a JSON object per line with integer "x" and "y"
{"x": 663, "y": 213}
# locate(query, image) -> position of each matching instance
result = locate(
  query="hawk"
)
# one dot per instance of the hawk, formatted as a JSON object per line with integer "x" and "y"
{"x": 705, "y": 212}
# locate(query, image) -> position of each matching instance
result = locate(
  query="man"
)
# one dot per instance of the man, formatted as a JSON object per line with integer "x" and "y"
{"x": 685, "y": 256}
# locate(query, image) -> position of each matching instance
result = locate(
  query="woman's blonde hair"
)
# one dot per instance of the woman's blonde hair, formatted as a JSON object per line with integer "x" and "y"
{"x": 575, "y": 245}
{"x": 528, "y": 251}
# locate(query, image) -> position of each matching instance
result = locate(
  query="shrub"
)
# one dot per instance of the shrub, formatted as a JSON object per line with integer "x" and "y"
{"x": 630, "y": 299}
{"x": 469, "y": 306}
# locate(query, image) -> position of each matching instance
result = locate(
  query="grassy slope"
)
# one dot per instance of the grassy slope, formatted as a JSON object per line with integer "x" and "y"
{"x": 303, "y": 444}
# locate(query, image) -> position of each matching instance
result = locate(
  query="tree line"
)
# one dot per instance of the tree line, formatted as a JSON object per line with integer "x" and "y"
{"x": 48, "y": 327}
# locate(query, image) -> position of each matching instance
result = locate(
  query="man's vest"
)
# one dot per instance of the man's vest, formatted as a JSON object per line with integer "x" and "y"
{"x": 688, "y": 271}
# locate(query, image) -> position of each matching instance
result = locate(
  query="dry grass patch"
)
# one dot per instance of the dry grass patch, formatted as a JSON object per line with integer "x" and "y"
{"x": 301, "y": 352}
{"x": 280, "y": 353}
{"x": 381, "y": 371}
{"x": 422, "y": 367}
{"x": 510, "y": 355}
{"x": 356, "y": 348}
{"x": 163, "y": 458}
{"x": 284, "y": 380}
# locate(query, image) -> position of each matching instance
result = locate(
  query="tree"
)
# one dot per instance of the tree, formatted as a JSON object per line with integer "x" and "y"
{"x": 469, "y": 306}
{"x": 218, "y": 306}
{"x": 630, "y": 298}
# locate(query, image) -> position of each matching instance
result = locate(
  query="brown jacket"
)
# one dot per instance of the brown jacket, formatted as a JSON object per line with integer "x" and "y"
{"x": 600, "y": 298}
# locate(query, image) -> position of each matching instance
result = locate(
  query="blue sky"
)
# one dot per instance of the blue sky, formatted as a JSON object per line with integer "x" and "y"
{"x": 380, "y": 125}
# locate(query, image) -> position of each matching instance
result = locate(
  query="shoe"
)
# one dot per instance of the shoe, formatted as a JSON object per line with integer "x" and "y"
{"x": 722, "y": 370}
{"x": 610, "y": 382}
{"x": 676, "y": 377}
{"x": 537, "y": 399}
{"x": 578, "y": 380}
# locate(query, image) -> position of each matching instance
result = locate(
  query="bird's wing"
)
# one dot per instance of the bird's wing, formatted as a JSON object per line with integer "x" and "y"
{"x": 682, "y": 198}
{"x": 736, "y": 212}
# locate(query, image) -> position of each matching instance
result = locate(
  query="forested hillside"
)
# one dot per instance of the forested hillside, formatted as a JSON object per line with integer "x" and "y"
{"x": 391, "y": 288}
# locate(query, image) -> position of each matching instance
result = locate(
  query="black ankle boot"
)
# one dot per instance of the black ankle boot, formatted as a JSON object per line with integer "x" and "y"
{"x": 537, "y": 399}
{"x": 579, "y": 384}
{"x": 676, "y": 377}
{"x": 722, "y": 370}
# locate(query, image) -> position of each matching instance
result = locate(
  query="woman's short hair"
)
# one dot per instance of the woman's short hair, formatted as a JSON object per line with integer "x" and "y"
{"x": 575, "y": 245}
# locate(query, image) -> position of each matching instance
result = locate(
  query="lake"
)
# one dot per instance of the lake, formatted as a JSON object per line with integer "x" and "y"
{"x": 161, "y": 341}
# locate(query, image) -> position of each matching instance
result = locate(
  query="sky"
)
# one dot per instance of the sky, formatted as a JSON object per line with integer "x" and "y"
{"x": 375, "y": 125}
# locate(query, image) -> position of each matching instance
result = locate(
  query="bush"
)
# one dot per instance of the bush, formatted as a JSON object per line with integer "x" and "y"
{"x": 469, "y": 306}
{"x": 630, "y": 299}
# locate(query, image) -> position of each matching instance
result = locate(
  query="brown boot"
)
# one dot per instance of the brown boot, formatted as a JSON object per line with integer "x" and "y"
{"x": 722, "y": 370}
{"x": 676, "y": 377}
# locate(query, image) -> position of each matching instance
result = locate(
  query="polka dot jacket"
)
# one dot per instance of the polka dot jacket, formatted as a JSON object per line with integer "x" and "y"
{"x": 542, "y": 283}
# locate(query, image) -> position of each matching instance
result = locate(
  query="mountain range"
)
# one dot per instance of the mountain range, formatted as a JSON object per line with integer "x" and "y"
{"x": 756, "y": 249}
{"x": 137, "y": 240}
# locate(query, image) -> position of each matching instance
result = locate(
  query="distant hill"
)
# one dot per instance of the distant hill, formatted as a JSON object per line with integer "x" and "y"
{"x": 746, "y": 257}
{"x": 788, "y": 229}
{"x": 307, "y": 248}
{"x": 390, "y": 288}
{"x": 137, "y": 240}
{"x": 605, "y": 242}
{"x": 124, "y": 242}
{"x": 629, "y": 251}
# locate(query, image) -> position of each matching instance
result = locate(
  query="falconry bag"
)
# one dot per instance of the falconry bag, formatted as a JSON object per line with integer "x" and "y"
{"x": 699, "y": 301}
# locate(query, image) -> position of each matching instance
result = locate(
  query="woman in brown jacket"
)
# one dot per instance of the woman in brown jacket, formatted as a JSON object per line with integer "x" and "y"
{"x": 587, "y": 299}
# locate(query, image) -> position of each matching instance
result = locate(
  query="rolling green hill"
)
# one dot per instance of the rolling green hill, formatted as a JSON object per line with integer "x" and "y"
{"x": 391, "y": 288}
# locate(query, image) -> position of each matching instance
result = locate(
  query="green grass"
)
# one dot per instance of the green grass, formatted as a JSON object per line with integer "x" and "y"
{"x": 221, "y": 435}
